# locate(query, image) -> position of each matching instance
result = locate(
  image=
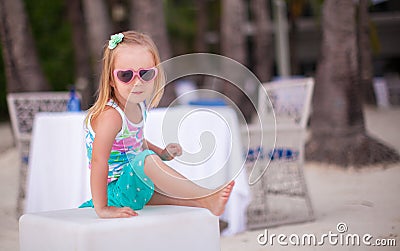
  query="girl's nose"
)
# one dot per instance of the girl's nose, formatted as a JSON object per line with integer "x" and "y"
{"x": 137, "y": 82}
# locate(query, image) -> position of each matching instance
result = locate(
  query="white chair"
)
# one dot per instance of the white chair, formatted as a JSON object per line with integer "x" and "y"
{"x": 280, "y": 196}
{"x": 291, "y": 102}
{"x": 22, "y": 108}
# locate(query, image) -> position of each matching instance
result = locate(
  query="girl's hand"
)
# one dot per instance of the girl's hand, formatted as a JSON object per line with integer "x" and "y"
{"x": 116, "y": 212}
{"x": 171, "y": 151}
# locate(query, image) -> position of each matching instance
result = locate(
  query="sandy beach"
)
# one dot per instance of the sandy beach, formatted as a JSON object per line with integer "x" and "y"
{"x": 366, "y": 200}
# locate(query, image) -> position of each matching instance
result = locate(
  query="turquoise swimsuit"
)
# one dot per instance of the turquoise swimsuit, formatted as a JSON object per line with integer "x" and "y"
{"x": 128, "y": 185}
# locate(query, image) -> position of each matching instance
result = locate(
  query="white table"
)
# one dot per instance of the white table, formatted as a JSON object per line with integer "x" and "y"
{"x": 58, "y": 176}
{"x": 206, "y": 133}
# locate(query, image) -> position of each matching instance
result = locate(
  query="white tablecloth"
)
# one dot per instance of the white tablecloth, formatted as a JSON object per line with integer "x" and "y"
{"x": 58, "y": 176}
{"x": 211, "y": 134}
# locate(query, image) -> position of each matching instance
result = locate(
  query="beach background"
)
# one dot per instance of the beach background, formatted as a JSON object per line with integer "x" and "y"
{"x": 366, "y": 200}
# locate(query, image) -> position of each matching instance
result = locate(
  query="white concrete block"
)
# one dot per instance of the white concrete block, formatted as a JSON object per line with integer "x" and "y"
{"x": 156, "y": 228}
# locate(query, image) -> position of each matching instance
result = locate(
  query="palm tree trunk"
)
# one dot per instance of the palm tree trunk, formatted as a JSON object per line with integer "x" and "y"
{"x": 337, "y": 124}
{"x": 365, "y": 55}
{"x": 201, "y": 25}
{"x": 98, "y": 25}
{"x": 151, "y": 20}
{"x": 233, "y": 40}
{"x": 293, "y": 37}
{"x": 23, "y": 71}
{"x": 263, "y": 53}
{"x": 83, "y": 80}
{"x": 233, "y": 45}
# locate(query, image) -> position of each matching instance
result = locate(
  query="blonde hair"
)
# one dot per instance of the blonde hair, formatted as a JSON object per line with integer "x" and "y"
{"x": 106, "y": 92}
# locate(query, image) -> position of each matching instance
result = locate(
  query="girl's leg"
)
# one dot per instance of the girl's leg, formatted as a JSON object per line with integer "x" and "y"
{"x": 175, "y": 189}
{"x": 215, "y": 202}
{"x": 161, "y": 199}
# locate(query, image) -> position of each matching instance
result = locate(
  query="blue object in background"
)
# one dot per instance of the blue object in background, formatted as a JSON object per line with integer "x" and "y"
{"x": 283, "y": 153}
{"x": 208, "y": 102}
{"x": 74, "y": 104}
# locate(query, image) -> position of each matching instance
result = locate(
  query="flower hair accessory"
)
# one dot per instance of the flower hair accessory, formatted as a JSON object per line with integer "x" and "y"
{"x": 115, "y": 40}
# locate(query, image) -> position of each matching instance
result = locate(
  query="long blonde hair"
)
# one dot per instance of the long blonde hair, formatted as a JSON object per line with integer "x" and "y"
{"x": 106, "y": 92}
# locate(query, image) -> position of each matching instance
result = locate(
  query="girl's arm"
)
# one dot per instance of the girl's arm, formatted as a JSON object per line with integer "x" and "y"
{"x": 106, "y": 127}
{"x": 168, "y": 153}
{"x": 148, "y": 145}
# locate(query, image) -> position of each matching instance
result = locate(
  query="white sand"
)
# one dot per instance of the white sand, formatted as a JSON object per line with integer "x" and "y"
{"x": 8, "y": 190}
{"x": 367, "y": 200}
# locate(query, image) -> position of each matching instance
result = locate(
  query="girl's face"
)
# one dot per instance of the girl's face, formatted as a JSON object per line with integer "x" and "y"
{"x": 134, "y": 57}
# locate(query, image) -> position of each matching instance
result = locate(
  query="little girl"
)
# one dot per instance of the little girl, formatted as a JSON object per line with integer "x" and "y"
{"x": 128, "y": 172}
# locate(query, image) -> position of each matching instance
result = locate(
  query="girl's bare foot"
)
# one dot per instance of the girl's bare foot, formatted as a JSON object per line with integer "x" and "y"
{"x": 216, "y": 202}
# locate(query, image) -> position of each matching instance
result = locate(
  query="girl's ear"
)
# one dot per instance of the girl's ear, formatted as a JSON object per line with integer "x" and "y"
{"x": 111, "y": 80}
{"x": 112, "y": 83}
